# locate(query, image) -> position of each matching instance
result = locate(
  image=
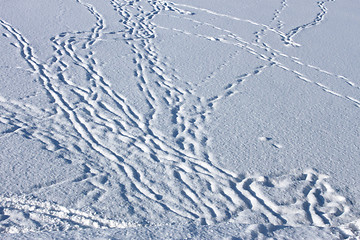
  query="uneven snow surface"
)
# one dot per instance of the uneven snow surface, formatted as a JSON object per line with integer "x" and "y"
{"x": 204, "y": 119}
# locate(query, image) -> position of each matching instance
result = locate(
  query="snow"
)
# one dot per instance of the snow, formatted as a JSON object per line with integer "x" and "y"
{"x": 185, "y": 119}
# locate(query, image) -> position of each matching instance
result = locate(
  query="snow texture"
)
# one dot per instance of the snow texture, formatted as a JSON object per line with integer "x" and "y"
{"x": 207, "y": 119}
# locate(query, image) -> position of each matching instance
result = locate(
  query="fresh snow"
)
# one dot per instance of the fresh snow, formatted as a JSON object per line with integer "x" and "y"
{"x": 206, "y": 119}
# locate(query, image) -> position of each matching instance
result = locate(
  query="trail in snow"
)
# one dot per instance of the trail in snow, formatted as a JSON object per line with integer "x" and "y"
{"x": 126, "y": 158}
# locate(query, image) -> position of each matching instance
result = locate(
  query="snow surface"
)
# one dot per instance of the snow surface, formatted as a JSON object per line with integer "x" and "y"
{"x": 200, "y": 119}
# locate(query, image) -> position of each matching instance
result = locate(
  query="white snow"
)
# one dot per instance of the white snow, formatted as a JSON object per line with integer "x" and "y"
{"x": 179, "y": 119}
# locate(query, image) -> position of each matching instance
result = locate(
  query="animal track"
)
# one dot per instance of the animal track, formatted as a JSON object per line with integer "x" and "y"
{"x": 125, "y": 155}
{"x": 271, "y": 141}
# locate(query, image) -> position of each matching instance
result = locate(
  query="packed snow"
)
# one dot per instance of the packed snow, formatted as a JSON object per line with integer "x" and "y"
{"x": 155, "y": 119}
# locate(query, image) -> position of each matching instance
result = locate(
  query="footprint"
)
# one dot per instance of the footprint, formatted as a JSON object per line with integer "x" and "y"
{"x": 271, "y": 141}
